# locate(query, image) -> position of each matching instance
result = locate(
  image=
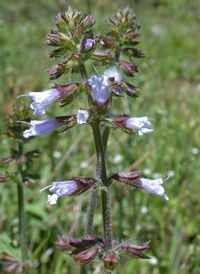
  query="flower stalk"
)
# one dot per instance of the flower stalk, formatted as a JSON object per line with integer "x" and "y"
{"x": 21, "y": 210}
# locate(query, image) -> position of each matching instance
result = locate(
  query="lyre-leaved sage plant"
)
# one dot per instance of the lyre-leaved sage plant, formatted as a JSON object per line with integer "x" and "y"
{"x": 75, "y": 43}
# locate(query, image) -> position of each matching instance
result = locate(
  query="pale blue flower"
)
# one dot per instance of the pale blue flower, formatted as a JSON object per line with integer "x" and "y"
{"x": 59, "y": 189}
{"x": 100, "y": 89}
{"x": 41, "y": 100}
{"x": 40, "y": 127}
{"x": 89, "y": 43}
{"x": 140, "y": 123}
{"x": 82, "y": 116}
{"x": 153, "y": 186}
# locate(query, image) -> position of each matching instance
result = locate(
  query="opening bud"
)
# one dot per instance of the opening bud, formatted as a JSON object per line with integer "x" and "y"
{"x": 62, "y": 243}
{"x": 85, "y": 257}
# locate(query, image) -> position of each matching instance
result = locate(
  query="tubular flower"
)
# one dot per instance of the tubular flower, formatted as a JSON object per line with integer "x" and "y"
{"x": 82, "y": 116}
{"x": 66, "y": 188}
{"x": 40, "y": 127}
{"x": 100, "y": 89}
{"x": 41, "y": 100}
{"x": 73, "y": 187}
{"x": 152, "y": 186}
{"x": 140, "y": 123}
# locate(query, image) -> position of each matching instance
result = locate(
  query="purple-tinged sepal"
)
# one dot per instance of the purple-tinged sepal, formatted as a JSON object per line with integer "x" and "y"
{"x": 6, "y": 160}
{"x": 119, "y": 122}
{"x": 68, "y": 92}
{"x": 41, "y": 100}
{"x": 86, "y": 256}
{"x": 103, "y": 56}
{"x": 131, "y": 90}
{"x": 126, "y": 177}
{"x": 4, "y": 178}
{"x": 67, "y": 122}
{"x": 86, "y": 242}
{"x": 138, "y": 53}
{"x": 64, "y": 66}
{"x": 107, "y": 43}
{"x": 40, "y": 127}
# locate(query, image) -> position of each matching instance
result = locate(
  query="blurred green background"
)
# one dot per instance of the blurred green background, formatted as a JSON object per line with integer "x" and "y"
{"x": 169, "y": 79}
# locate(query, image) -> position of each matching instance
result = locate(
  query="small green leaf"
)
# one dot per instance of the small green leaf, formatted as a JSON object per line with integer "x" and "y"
{"x": 13, "y": 177}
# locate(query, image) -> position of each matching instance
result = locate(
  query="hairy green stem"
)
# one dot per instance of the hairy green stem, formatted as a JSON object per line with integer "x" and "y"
{"x": 101, "y": 166}
{"x": 93, "y": 196}
{"x": 101, "y": 174}
{"x": 83, "y": 71}
{"x": 90, "y": 212}
{"x": 21, "y": 211}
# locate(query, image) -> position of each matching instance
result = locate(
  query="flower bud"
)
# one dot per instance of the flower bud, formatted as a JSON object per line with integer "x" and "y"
{"x": 4, "y": 178}
{"x": 129, "y": 68}
{"x": 68, "y": 93}
{"x": 6, "y": 160}
{"x": 10, "y": 262}
{"x": 126, "y": 177}
{"x": 107, "y": 43}
{"x": 102, "y": 56}
{"x": 110, "y": 261}
{"x": 131, "y": 90}
{"x": 85, "y": 243}
{"x": 135, "y": 251}
{"x": 21, "y": 160}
